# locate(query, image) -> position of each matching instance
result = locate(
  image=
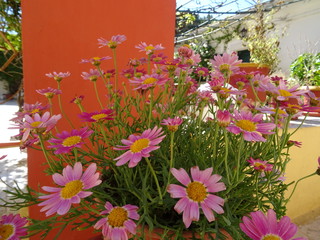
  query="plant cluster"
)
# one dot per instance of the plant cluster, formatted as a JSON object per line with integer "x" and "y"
{"x": 164, "y": 154}
{"x": 261, "y": 39}
{"x": 306, "y": 69}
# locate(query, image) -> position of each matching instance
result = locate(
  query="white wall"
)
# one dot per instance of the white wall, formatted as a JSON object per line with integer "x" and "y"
{"x": 300, "y": 23}
{"x": 2, "y": 89}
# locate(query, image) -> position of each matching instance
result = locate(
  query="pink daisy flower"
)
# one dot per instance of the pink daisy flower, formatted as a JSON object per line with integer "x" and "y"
{"x": 113, "y": 43}
{"x": 118, "y": 222}
{"x": 92, "y": 75}
{"x": 68, "y": 141}
{"x": 74, "y": 185}
{"x": 96, "y": 61}
{"x": 251, "y": 126}
{"x": 149, "y": 49}
{"x": 38, "y": 124}
{"x": 260, "y": 165}
{"x": 196, "y": 194}
{"x": 149, "y": 81}
{"x": 172, "y": 123}
{"x": 58, "y": 76}
{"x": 12, "y": 227}
{"x": 226, "y": 64}
{"x": 49, "y": 92}
{"x": 291, "y": 143}
{"x": 105, "y": 114}
{"x": 139, "y": 146}
{"x": 267, "y": 227}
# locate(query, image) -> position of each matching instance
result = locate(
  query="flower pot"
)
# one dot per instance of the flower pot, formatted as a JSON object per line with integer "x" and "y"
{"x": 250, "y": 68}
{"x": 316, "y": 91}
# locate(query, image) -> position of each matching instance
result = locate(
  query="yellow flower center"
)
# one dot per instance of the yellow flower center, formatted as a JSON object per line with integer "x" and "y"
{"x": 140, "y": 144}
{"x": 6, "y": 231}
{"x": 225, "y": 89}
{"x": 71, "y": 189}
{"x": 35, "y": 111}
{"x": 117, "y": 217}
{"x": 257, "y": 164}
{"x": 70, "y": 141}
{"x": 35, "y": 124}
{"x": 96, "y": 58}
{"x": 99, "y": 116}
{"x": 285, "y": 93}
{"x": 246, "y": 125}
{"x": 196, "y": 191}
{"x": 271, "y": 237}
{"x": 280, "y": 111}
{"x": 149, "y": 48}
{"x": 173, "y": 128}
{"x": 224, "y": 67}
{"x": 49, "y": 94}
{"x": 150, "y": 80}
{"x": 201, "y": 72}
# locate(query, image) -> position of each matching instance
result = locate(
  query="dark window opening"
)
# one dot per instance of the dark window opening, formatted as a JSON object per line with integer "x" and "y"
{"x": 244, "y": 55}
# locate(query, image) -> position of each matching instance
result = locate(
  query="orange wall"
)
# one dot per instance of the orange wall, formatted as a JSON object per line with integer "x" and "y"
{"x": 57, "y": 34}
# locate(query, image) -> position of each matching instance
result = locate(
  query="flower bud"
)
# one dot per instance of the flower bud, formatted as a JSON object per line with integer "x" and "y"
{"x": 223, "y": 118}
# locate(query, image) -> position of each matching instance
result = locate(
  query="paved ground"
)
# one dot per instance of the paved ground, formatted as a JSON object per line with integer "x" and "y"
{"x": 14, "y": 169}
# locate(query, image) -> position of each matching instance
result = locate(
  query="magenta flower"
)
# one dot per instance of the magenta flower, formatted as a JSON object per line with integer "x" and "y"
{"x": 77, "y": 99}
{"x": 149, "y": 81}
{"x": 105, "y": 114}
{"x": 12, "y": 227}
{"x": 149, "y": 49}
{"x": 74, "y": 185}
{"x": 263, "y": 227}
{"x": 118, "y": 222}
{"x": 196, "y": 194}
{"x": 223, "y": 118}
{"x": 251, "y": 126}
{"x": 58, "y": 76}
{"x": 139, "y": 146}
{"x": 92, "y": 75}
{"x": 38, "y": 124}
{"x": 68, "y": 141}
{"x": 96, "y": 61}
{"x": 128, "y": 73}
{"x": 109, "y": 73}
{"x": 226, "y": 64}
{"x": 113, "y": 43}
{"x": 260, "y": 165}
{"x": 159, "y": 58}
{"x": 172, "y": 123}
{"x": 291, "y": 143}
{"x": 185, "y": 51}
{"x": 3, "y": 157}
{"x": 49, "y": 92}
{"x": 202, "y": 71}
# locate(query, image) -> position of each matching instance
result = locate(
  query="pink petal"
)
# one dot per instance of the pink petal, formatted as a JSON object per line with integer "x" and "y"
{"x": 181, "y": 175}
{"x": 176, "y": 191}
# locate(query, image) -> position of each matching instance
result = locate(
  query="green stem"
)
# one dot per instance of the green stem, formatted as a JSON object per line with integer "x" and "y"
{"x": 61, "y": 108}
{"x": 239, "y": 157}
{"x": 83, "y": 203}
{"x": 115, "y": 68}
{"x": 150, "y": 107}
{"x": 149, "y": 64}
{"x": 295, "y": 186}
{"x": 155, "y": 178}
{"x": 226, "y": 140}
{"x": 97, "y": 94}
{"x": 45, "y": 153}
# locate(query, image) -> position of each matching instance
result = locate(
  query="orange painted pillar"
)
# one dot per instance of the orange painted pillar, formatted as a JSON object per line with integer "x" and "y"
{"x": 57, "y": 34}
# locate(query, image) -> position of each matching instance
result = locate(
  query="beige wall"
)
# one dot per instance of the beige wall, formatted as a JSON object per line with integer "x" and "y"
{"x": 306, "y": 198}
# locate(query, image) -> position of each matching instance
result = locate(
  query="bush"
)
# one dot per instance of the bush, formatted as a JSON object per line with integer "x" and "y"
{"x": 306, "y": 69}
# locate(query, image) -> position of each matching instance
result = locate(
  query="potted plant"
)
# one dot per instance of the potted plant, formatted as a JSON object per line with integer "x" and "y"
{"x": 162, "y": 159}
